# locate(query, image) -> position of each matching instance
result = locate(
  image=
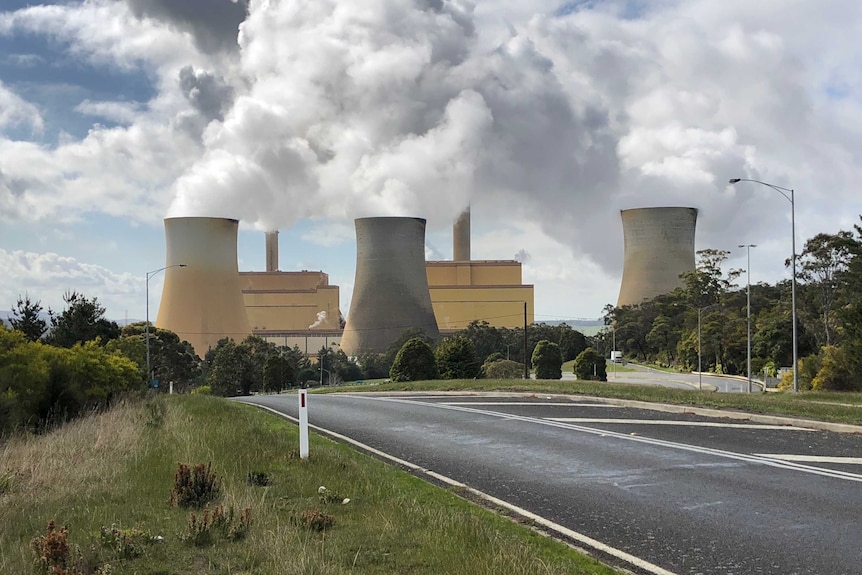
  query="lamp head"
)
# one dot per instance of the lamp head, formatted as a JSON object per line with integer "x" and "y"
{"x": 734, "y": 180}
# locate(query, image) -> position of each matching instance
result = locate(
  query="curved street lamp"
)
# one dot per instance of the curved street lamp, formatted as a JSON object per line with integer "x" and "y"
{"x": 147, "y": 328}
{"x": 791, "y": 199}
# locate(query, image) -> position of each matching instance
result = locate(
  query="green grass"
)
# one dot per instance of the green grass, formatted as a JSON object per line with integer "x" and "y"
{"x": 568, "y": 366}
{"x": 117, "y": 468}
{"x": 825, "y": 406}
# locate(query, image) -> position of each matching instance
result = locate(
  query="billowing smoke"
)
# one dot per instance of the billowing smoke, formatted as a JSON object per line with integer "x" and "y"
{"x": 321, "y": 319}
{"x": 399, "y": 107}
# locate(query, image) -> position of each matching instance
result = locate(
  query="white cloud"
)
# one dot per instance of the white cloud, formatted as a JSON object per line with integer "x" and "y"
{"x": 15, "y": 112}
{"x": 47, "y": 276}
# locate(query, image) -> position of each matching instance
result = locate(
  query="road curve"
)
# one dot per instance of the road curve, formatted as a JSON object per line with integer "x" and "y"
{"x": 683, "y": 493}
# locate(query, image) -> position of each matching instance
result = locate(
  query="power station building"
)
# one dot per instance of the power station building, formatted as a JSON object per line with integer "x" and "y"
{"x": 659, "y": 248}
{"x": 395, "y": 289}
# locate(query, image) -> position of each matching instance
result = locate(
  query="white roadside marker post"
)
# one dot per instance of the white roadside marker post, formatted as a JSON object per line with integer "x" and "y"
{"x": 303, "y": 423}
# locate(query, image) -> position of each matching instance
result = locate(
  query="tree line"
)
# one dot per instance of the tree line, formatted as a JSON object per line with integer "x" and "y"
{"x": 829, "y": 319}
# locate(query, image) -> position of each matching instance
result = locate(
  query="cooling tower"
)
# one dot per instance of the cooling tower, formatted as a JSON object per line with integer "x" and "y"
{"x": 659, "y": 246}
{"x": 390, "y": 292}
{"x": 461, "y": 237}
{"x": 272, "y": 251}
{"x": 202, "y": 302}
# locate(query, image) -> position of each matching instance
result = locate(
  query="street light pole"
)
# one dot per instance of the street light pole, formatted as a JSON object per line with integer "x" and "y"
{"x": 699, "y": 366}
{"x": 748, "y": 304}
{"x": 147, "y": 326}
{"x": 791, "y": 198}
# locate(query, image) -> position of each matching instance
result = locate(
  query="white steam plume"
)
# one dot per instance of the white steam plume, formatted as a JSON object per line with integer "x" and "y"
{"x": 400, "y": 107}
{"x": 321, "y": 318}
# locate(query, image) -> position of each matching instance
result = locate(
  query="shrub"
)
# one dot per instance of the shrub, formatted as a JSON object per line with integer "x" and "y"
{"x": 53, "y": 554}
{"x": 548, "y": 360}
{"x": 315, "y": 520}
{"x": 257, "y": 479}
{"x": 194, "y": 487}
{"x": 504, "y": 369}
{"x": 124, "y": 543}
{"x": 202, "y": 390}
{"x": 202, "y": 530}
{"x": 834, "y": 373}
{"x": 589, "y": 365}
{"x": 414, "y": 362}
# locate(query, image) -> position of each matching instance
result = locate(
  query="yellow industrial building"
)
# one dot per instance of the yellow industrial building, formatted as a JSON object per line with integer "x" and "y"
{"x": 302, "y": 309}
{"x": 283, "y": 306}
{"x": 464, "y": 291}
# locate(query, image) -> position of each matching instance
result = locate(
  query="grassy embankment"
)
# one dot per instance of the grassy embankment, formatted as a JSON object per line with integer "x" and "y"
{"x": 824, "y": 406}
{"x": 117, "y": 468}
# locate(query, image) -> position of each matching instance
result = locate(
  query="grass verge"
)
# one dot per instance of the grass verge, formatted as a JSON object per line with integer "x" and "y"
{"x": 109, "y": 479}
{"x": 824, "y": 406}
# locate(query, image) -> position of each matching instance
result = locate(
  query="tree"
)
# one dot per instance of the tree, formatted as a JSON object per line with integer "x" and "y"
{"x": 277, "y": 373}
{"x": 171, "y": 359}
{"x": 82, "y": 321}
{"x": 486, "y": 339}
{"x": 822, "y": 264}
{"x": 26, "y": 318}
{"x": 230, "y": 370}
{"x": 374, "y": 366}
{"x": 707, "y": 284}
{"x": 414, "y": 362}
{"x": 590, "y": 365}
{"x": 571, "y": 341}
{"x": 547, "y": 360}
{"x": 456, "y": 359}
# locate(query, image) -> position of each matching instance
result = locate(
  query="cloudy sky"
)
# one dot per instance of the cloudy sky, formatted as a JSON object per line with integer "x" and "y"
{"x": 547, "y": 117}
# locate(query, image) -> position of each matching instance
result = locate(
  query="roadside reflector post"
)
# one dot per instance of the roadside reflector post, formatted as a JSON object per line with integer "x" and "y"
{"x": 303, "y": 423}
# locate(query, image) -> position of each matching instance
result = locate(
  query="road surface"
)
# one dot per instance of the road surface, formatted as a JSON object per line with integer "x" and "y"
{"x": 658, "y": 492}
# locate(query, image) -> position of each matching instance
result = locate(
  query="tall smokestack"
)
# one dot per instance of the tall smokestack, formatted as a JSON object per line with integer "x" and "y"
{"x": 272, "y": 251}
{"x": 390, "y": 292}
{"x": 659, "y": 246}
{"x": 461, "y": 237}
{"x": 202, "y": 302}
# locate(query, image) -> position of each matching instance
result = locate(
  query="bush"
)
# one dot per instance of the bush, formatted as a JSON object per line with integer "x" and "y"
{"x": 194, "y": 487}
{"x": 834, "y": 373}
{"x": 202, "y": 390}
{"x": 414, "y": 362}
{"x": 589, "y": 365}
{"x": 315, "y": 520}
{"x": 202, "y": 530}
{"x": 548, "y": 360}
{"x": 456, "y": 359}
{"x": 504, "y": 369}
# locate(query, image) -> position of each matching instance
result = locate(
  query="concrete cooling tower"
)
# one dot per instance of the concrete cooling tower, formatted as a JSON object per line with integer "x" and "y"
{"x": 202, "y": 302}
{"x": 390, "y": 292}
{"x": 659, "y": 246}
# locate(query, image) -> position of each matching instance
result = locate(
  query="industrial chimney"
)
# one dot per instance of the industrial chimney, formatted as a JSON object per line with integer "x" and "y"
{"x": 202, "y": 302}
{"x": 272, "y": 251}
{"x": 390, "y": 291}
{"x": 659, "y": 246}
{"x": 461, "y": 237}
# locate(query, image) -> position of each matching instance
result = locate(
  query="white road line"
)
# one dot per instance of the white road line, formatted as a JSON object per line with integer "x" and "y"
{"x": 555, "y": 527}
{"x": 812, "y": 458}
{"x": 674, "y": 422}
{"x": 636, "y": 438}
{"x": 522, "y": 403}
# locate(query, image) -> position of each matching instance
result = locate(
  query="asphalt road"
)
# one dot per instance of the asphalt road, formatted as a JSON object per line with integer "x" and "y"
{"x": 680, "y": 493}
{"x": 649, "y": 376}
